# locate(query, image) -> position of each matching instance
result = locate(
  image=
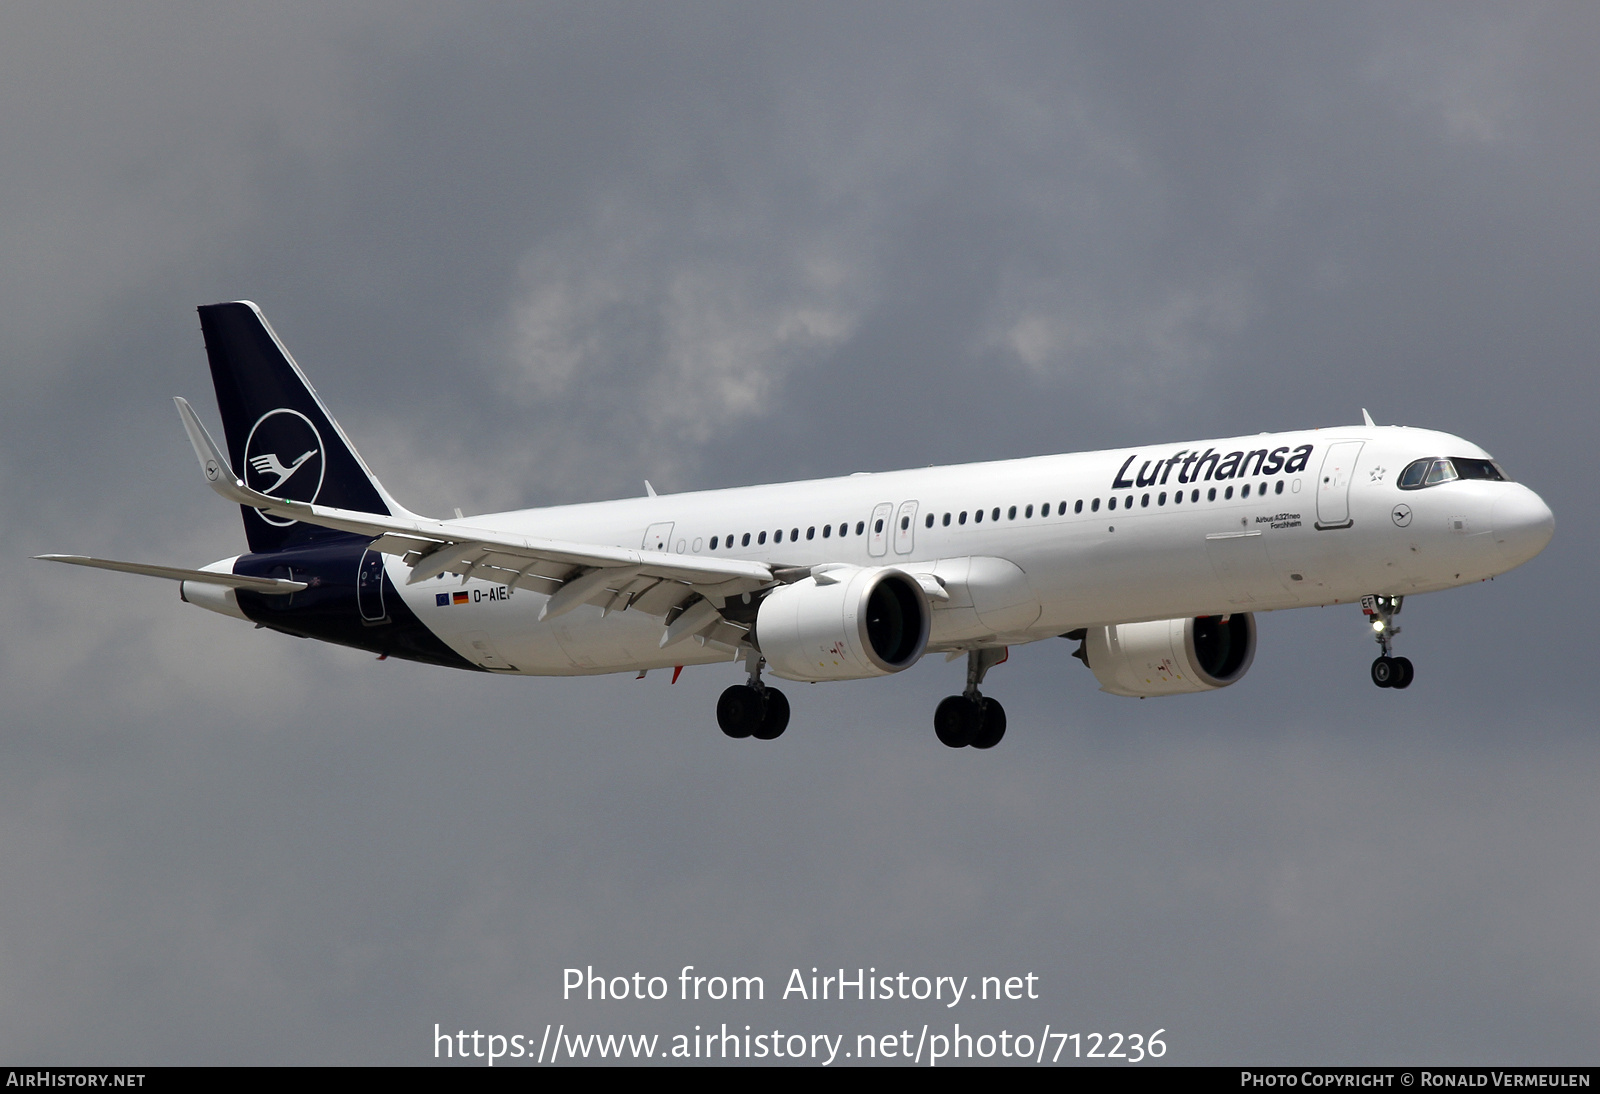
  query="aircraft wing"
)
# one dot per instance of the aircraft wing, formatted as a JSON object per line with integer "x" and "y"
{"x": 572, "y": 574}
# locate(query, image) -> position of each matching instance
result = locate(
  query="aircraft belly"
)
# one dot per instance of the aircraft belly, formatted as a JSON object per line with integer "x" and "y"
{"x": 493, "y": 626}
{"x": 1146, "y": 569}
{"x": 498, "y": 628}
{"x": 988, "y": 596}
{"x": 627, "y": 641}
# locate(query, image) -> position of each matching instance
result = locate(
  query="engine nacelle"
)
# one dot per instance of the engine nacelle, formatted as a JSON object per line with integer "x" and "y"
{"x": 1171, "y": 656}
{"x": 844, "y": 624}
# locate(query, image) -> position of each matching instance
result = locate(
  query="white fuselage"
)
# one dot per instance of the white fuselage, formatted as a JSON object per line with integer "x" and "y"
{"x": 1305, "y": 518}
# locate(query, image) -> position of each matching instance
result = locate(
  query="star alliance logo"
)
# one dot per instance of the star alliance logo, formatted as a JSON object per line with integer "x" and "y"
{"x": 280, "y": 435}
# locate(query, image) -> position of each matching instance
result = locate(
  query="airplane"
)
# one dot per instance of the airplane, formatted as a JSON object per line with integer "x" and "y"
{"x": 1153, "y": 560}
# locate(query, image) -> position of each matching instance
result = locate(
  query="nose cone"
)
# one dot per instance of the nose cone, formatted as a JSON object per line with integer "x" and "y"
{"x": 1523, "y": 524}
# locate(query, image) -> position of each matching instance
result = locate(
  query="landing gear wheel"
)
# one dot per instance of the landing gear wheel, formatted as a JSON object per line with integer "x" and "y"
{"x": 1403, "y": 672}
{"x": 775, "y": 719}
{"x": 957, "y": 720}
{"x": 994, "y": 724}
{"x": 739, "y": 711}
{"x": 1385, "y": 672}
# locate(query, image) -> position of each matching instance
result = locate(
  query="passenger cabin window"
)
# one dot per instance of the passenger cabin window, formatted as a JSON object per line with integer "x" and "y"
{"x": 1111, "y": 503}
{"x": 811, "y": 533}
{"x": 947, "y": 520}
{"x": 1077, "y": 506}
{"x": 762, "y": 538}
{"x": 827, "y": 530}
{"x": 713, "y": 543}
{"x": 962, "y": 519}
{"x": 861, "y": 526}
{"x": 1094, "y": 506}
{"x": 929, "y": 522}
{"x": 1028, "y": 513}
{"x": 1011, "y": 514}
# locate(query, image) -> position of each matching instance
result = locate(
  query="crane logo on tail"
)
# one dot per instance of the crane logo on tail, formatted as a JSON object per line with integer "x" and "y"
{"x": 269, "y": 465}
{"x": 283, "y": 458}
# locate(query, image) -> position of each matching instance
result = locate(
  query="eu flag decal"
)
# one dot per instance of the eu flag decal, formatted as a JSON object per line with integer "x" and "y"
{"x": 441, "y": 600}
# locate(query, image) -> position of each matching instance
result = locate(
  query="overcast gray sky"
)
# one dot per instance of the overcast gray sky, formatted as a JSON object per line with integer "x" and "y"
{"x": 537, "y": 253}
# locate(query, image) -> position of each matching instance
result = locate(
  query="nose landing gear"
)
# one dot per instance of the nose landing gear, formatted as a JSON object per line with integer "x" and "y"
{"x": 753, "y": 709}
{"x": 972, "y": 718}
{"x": 1388, "y": 671}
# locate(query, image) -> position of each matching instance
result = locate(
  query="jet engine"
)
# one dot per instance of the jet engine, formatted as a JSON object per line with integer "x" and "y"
{"x": 844, "y": 624}
{"x": 1171, "y": 656}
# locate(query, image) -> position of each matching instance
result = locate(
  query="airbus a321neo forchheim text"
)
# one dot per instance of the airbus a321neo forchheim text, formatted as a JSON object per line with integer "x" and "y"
{"x": 1152, "y": 560}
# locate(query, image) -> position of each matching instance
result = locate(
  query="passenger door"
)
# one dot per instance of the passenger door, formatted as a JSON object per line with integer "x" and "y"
{"x": 369, "y": 588}
{"x": 878, "y": 530}
{"x": 905, "y": 527}
{"x": 1333, "y": 485}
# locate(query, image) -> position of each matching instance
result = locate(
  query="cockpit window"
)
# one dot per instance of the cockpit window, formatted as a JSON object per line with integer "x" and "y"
{"x": 1479, "y": 469}
{"x": 1440, "y": 471}
{"x": 1432, "y": 471}
{"x": 1415, "y": 472}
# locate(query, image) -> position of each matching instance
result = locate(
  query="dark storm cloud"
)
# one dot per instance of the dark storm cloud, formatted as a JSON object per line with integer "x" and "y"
{"x": 532, "y": 255}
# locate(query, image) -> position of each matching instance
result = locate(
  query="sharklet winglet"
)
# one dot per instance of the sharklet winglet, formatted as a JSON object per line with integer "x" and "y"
{"x": 219, "y": 475}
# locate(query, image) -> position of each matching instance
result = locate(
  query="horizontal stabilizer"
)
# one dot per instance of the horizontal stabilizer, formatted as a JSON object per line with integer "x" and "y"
{"x": 269, "y": 585}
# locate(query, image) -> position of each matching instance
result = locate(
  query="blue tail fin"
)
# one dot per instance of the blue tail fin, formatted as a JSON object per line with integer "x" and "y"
{"x": 281, "y": 439}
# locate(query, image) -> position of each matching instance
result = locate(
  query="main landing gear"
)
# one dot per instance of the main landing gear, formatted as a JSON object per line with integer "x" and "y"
{"x": 1387, "y": 671}
{"x": 971, "y": 718}
{"x": 753, "y": 709}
